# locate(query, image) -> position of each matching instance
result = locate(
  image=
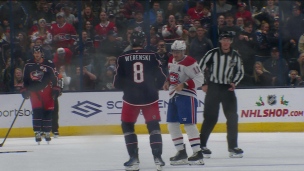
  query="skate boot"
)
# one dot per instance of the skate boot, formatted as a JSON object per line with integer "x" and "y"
{"x": 38, "y": 137}
{"x": 236, "y": 153}
{"x": 196, "y": 158}
{"x": 159, "y": 163}
{"x": 180, "y": 158}
{"x": 132, "y": 164}
{"x": 206, "y": 152}
{"x": 55, "y": 134}
{"x": 47, "y": 137}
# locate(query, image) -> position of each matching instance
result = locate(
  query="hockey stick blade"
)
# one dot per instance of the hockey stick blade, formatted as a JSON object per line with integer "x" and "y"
{"x": 1, "y": 145}
{"x": 5, "y": 152}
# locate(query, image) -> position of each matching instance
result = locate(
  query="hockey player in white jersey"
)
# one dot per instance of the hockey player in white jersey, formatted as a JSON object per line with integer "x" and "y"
{"x": 184, "y": 78}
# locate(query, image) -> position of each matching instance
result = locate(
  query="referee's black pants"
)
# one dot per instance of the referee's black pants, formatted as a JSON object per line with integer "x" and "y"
{"x": 216, "y": 94}
{"x": 55, "y": 119}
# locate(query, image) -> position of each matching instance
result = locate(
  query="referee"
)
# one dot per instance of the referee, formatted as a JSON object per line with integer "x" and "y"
{"x": 224, "y": 68}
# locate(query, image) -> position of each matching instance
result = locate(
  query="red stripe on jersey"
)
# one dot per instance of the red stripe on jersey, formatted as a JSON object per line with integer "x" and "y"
{"x": 191, "y": 84}
{"x": 187, "y": 61}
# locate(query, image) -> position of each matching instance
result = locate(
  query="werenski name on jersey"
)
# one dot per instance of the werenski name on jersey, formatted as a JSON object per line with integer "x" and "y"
{"x": 138, "y": 57}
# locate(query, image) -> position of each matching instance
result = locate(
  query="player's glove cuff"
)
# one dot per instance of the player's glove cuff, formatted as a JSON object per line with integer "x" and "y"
{"x": 25, "y": 93}
{"x": 56, "y": 91}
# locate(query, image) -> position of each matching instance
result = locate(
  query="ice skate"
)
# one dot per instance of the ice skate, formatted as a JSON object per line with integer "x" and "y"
{"x": 55, "y": 134}
{"x": 159, "y": 163}
{"x": 206, "y": 152}
{"x": 181, "y": 158}
{"x": 38, "y": 137}
{"x": 236, "y": 153}
{"x": 196, "y": 158}
{"x": 47, "y": 137}
{"x": 132, "y": 164}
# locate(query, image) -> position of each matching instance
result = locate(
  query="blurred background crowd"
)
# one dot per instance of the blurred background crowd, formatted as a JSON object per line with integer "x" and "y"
{"x": 84, "y": 37}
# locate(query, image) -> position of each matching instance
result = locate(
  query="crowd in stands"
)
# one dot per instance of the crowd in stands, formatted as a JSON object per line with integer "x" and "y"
{"x": 268, "y": 34}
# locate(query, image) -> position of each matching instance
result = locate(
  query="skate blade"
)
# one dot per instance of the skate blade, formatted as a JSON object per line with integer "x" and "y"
{"x": 207, "y": 156}
{"x": 179, "y": 162}
{"x": 132, "y": 168}
{"x": 233, "y": 155}
{"x": 197, "y": 162}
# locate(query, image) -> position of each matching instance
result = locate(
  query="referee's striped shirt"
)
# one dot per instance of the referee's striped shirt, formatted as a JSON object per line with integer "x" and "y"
{"x": 223, "y": 68}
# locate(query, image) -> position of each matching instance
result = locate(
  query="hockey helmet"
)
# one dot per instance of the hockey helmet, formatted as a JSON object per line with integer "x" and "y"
{"x": 138, "y": 38}
{"x": 178, "y": 45}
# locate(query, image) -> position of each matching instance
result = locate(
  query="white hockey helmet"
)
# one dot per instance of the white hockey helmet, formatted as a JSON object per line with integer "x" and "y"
{"x": 178, "y": 45}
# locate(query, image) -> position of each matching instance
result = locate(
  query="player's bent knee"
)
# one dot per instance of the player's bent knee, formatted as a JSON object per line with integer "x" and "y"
{"x": 153, "y": 126}
{"x": 127, "y": 127}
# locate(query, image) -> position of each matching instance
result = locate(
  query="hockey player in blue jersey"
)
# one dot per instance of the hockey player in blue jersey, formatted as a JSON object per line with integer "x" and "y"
{"x": 140, "y": 76}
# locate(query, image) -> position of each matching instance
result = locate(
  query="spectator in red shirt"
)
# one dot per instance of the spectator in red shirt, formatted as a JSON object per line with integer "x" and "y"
{"x": 63, "y": 33}
{"x": 243, "y": 13}
{"x": 102, "y": 29}
{"x": 63, "y": 57}
{"x": 131, "y": 7}
{"x": 196, "y": 13}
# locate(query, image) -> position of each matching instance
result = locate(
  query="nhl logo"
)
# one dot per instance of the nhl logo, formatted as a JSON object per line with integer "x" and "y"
{"x": 272, "y": 99}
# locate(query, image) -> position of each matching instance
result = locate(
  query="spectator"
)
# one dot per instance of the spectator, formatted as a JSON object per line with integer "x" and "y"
{"x": 111, "y": 46}
{"x": 271, "y": 9}
{"x": 245, "y": 45}
{"x": 294, "y": 78}
{"x": 88, "y": 80}
{"x": 131, "y": 7}
{"x": 107, "y": 81}
{"x": 156, "y": 10}
{"x": 294, "y": 25}
{"x": 278, "y": 67}
{"x": 191, "y": 35}
{"x": 240, "y": 23}
{"x": 200, "y": 45}
{"x": 196, "y": 23}
{"x": 172, "y": 31}
{"x": 163, "y": 56}
{"x": 126, "y": 40}
{"x": 222, "y": 7}
{"x": 66, "y": 78}
{"x": 62, "y": 32}
{"x": 18, "y": 80}
{"x": 89, "y": 16}
{"x": 171, "y": 10}
{"x": 230, "y": 26}
{"x": 301, "y": 65}
{"x": 102, "y": 29}
{"x": 63, "y": 56}
{"x": 69, "y": 17}
{"x": 87, "y": 44}
{"x": 187, "y": 24}
{"x": 138, "y": 24}
{"x": 44, "y": 13}
{"x": 158, "y": 24}
{"x": 88, "y": 27}
{"x": 274, "y": 32}
{"x": 196, "y": 13}
{"x": 206, "y": 20}
{"x": 262, "y": 37}
{"x": 42, "y": 32}
{"x": 243, "y": 12}
{"x": 261, "y": 77}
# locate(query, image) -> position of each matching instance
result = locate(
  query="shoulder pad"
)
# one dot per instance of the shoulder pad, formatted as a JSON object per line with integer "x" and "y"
{"x": 50, "y": 61}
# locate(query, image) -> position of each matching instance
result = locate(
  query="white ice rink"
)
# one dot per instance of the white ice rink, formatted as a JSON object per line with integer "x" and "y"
{"x": 262, "y": 152}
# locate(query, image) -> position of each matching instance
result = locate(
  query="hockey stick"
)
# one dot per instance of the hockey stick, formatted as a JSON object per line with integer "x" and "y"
{"x": 9, "y": 130}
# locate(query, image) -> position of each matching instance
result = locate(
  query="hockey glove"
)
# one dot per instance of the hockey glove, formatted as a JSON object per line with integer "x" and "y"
{"x": 56, "y": 91}
{"x": 25, "y": 93}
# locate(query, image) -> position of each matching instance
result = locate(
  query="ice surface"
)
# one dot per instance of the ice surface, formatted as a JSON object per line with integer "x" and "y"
{"x": 262, "y": 152}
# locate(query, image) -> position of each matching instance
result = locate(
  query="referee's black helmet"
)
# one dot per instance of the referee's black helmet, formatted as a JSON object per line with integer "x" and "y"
{"x": 225, "y": 34}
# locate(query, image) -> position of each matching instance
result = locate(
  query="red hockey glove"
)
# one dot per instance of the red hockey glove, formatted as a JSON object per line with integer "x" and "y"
{"x": 25, "y": 93}
{"x": 56, "y": 91}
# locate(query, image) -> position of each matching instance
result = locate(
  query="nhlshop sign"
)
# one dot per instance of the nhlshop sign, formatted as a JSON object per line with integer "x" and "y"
{"x": 272, "y": 105}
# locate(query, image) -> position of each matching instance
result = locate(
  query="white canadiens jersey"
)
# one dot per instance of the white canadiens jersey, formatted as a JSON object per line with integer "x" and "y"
{"x": 185, "y": 71}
